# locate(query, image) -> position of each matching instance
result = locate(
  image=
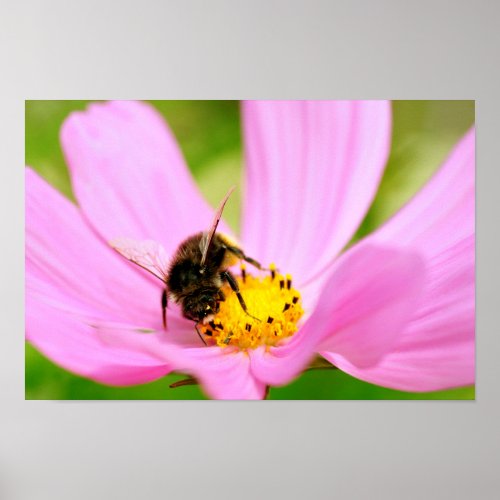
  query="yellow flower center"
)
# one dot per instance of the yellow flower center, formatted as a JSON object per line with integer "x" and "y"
{"x": 273, "y": 310}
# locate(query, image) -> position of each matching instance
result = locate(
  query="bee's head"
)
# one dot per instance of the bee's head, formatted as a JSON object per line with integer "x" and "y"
{"x": 201, "y": 306}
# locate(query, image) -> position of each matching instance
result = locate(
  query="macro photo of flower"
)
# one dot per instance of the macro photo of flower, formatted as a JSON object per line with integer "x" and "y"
{"x": 342, "y": 267}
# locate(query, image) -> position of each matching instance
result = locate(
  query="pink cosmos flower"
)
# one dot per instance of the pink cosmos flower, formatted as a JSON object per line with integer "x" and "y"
{"x": 396, "y": 309}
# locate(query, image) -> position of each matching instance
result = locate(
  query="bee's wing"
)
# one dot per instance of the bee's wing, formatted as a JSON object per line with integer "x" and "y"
{"x": 148, "y": 254}
{"x": 207, "y": 238}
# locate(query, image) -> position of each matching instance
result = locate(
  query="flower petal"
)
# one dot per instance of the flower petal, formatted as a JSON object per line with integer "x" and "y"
{"x": 313, "y": 169}
{"x": 223, "y": 374}
{"x": 129, "y": 176}
{"x": 74, "y": 344}
{"x": 371, "y": 295}
{"x": 62, "y": 252}
{"x": 73, "y": 281}
{"x": 442, "y": 213}
{"x": 436, "y": 349}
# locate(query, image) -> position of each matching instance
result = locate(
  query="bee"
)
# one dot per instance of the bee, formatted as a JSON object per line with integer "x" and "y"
{"x": 197, "y": 272}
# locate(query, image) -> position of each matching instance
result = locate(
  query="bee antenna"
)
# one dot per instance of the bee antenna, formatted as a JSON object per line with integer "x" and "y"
{"x": 199, "y": 333}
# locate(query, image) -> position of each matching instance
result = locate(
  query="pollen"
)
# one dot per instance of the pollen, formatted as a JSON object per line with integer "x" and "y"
{"x": 273, "y": 312}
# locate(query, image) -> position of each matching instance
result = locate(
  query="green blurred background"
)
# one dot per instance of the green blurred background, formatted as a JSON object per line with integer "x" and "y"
{"x": 210, "y": 137}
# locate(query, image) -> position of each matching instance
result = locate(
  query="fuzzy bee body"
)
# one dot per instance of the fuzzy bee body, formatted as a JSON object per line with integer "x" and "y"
{"x": 197, "y": 272}
{"x": 196, "y": 287}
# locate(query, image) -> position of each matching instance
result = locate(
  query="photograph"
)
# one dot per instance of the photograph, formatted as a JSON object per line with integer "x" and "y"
{"x": 253, "y": 250}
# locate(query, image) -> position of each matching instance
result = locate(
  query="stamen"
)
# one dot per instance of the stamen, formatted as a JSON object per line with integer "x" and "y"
{"x": 272, "y": 268}
{"x": 278, "y": 308}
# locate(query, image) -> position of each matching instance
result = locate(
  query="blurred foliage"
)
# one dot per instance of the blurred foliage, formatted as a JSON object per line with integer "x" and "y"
{"x": 209, "y": 135}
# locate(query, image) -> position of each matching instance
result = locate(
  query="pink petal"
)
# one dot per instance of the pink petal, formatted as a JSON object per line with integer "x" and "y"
{"x": 312, "y": 170}
{"x": 222, "y": 373}
{"x": 442, "y": 213}
{"x": 74, "y": 344}
{"x": 63, "y": 252}
{"x": 370, "y": 296}
{"x": 73, "y": 281}
{"x": 436, "y": 349}
{"x": 129, "y": 176}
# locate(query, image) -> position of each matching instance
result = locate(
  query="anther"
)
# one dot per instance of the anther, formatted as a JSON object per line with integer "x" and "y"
{"x": 272, "y": 268}
{"x": 269, "y": 300}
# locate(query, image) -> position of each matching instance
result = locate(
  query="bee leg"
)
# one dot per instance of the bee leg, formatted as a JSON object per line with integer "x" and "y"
{"x": 227, "y": 276}
{"x": 199, "y": 333}
{"x": 239, "y": 253}
{"x": 164, "y": 303}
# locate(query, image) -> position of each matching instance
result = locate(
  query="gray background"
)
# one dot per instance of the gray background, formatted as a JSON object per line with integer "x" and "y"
{"x": 254, "y": 49}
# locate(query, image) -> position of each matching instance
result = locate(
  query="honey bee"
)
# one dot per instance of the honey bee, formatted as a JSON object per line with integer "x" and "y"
{"x": 197, "y": 272}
